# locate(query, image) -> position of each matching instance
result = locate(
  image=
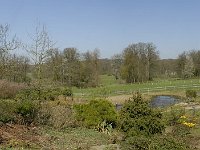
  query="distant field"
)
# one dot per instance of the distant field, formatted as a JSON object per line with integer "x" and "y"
{"x": 111, "y": 87}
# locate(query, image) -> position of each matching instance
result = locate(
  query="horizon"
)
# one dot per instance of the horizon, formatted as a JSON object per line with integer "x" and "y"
{"x": 173, "y": 26}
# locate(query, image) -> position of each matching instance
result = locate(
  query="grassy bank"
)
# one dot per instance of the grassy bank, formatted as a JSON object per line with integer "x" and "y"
{"x": 111, "y": 87}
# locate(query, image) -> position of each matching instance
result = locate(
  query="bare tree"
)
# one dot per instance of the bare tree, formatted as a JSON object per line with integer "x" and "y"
{"x": 189, "y": 67}
{"x": 116, "y": 65}
{"x": 7, "y": 44}
{"x": 39, "y": 49}
{"x": 181, "y": 61}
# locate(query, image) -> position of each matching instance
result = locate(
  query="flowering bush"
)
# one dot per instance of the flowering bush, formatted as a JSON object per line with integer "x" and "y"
{"x": 184, "y": 125}
{"x": 187, "y": 121}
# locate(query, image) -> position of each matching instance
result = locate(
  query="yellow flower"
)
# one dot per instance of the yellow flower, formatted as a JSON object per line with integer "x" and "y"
{"x": 189, "y": 124}
{"x": 183, "y": 117}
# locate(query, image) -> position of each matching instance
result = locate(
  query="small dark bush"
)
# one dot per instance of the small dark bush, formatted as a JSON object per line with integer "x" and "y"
{"x": 138, "y": 118}
{"x": 136, "y": 143}
{"x": 191, "y": 94}
{"x": 96, "y": 112}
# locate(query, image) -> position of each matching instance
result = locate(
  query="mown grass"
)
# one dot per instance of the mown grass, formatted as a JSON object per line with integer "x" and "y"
{"x": 111, "y": 87}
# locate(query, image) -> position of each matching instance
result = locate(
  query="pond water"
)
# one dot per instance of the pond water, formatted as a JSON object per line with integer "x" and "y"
{"x": 163, "y": 101}
{"x": 158, "y": 101}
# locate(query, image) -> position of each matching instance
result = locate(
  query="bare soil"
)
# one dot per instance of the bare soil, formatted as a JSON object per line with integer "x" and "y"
{"x": 13, "y": 135}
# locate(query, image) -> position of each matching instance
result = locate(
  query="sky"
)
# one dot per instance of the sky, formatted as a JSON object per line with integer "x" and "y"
{"x": 109, "y": 25}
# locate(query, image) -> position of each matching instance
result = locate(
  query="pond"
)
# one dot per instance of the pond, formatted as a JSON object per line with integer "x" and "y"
{"x": 163, "y": 101}
{"x": 158, "y": 101}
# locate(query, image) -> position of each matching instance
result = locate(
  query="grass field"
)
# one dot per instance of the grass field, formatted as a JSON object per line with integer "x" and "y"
{"x": 111, "y": 87}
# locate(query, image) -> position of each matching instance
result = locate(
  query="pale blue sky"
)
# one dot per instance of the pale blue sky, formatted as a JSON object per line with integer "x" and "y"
{"x": 110, "y": 25}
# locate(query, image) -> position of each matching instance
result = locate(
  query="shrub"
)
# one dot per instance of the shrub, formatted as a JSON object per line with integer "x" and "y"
{"x": 184, "y": 125}
{"x": 171, "y": 118}
{"x": 61, "y": 117}
{"x": 96, "y": 112}
{"x": 181, "y": 130}
{"x": 67, "y": 92}
{"x": 28, "y": 94}
{"x": 162, "y": 142}
{"x": 169, "y": 142}
{"x": 9, "y": 89}
{"x": 43, "y": 94}
{"x": 27, "y": 110}
{"x": 138, "y": 118}
{"x": 136, "y": 143}
{"x": 7, "y": 109}
{"x": 191, "y": 94}
{"x": 50, "y": 94}
{"x": 56, "y": 114}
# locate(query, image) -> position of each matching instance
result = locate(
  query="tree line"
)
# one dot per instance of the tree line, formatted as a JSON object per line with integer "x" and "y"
{"x": 138, "y": 62}
{"x": 44, "y": 61}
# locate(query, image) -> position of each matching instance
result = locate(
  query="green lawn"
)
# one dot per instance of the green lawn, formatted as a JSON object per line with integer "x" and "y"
{"x": 110, "y": 86}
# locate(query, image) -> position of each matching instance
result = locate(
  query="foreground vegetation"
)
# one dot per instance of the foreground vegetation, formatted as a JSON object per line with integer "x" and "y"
{"x": 53, "y": 118}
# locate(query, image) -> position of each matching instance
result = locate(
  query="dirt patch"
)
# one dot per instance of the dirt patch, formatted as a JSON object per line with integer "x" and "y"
{"x": 120, "y": 99}
{"x": 12, "y": 135}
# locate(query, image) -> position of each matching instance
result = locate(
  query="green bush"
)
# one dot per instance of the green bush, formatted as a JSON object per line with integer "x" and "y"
{"x": 138, "y": 118}
{"x": 161, "y": 142}
{"x": 191, "y": 93}
{"x": 28, "y": 94}
{"x": 95, "y": 112}
{"x": 136, "y": 143}
{"x": 7, "y": 109}
{"x": 43, "y": 94}
{"x": 67, "y": 92}
{"x": 27, "y": 110}
{"x": 50, "y": 94}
